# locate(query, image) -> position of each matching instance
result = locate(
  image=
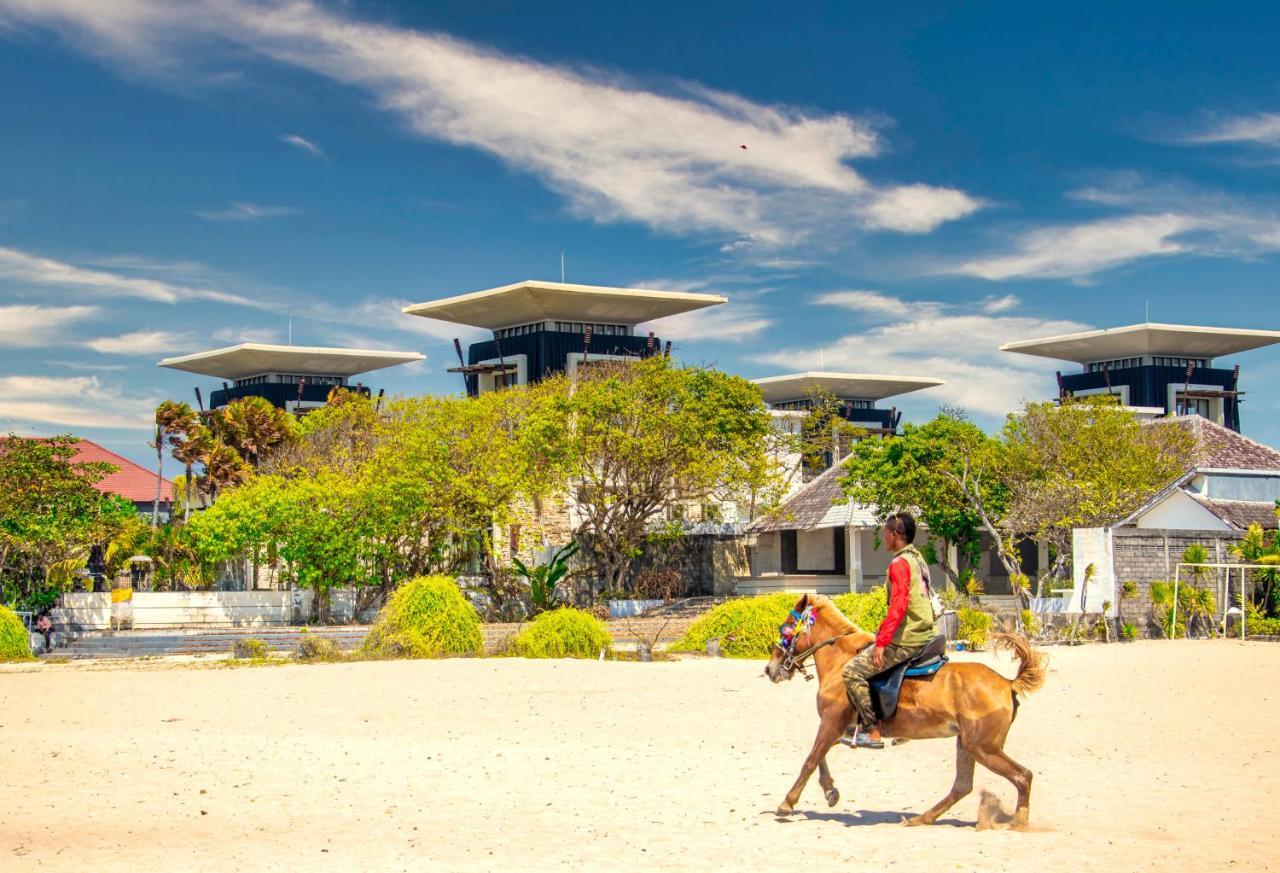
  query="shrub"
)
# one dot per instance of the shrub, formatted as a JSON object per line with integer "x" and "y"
{"x": 1129, "y": 631}
{"x": 747, "y": 627}
{"x": 313, "y": 647}
{"x": 425, "y": 618}
{"x": 563, "y": 633}
{"x": 15, "y": 643}
{"x": 1030, "y": 623}
{"x": 975, "y": 626}
{"x": 250, "y": 648}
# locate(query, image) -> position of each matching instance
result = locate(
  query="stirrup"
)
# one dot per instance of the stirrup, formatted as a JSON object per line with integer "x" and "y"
{"x": 858, "y": 739}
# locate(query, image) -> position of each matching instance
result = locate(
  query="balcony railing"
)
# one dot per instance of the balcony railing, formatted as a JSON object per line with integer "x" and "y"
{"x": 279, "y": 393}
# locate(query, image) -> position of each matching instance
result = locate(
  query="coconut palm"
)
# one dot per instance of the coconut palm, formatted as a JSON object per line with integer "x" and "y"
{"x": 223, "y": 467}
{"x": 170, "y": 417}
{"x": 253, "y": 426}
{"x": 190, "y": 446}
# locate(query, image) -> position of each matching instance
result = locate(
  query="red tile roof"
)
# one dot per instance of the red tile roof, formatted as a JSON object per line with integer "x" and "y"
{"x": 131, "y": 481}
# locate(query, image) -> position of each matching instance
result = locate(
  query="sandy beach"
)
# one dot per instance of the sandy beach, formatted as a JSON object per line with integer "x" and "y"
{"x": 1147, "y": 756}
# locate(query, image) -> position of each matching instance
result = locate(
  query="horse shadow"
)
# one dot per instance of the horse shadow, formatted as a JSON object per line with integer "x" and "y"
{"x": 869, "y": 818}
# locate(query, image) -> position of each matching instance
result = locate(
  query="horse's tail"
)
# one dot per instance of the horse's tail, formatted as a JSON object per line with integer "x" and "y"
{"x": 1031, "y": 663}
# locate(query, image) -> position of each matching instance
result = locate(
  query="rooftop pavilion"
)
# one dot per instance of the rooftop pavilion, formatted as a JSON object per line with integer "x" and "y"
{"x": 858, "y": 393}
{"x": 291, "y": 377}
{"x": 542, "y": 328}
{"x": 1155, "y": 369}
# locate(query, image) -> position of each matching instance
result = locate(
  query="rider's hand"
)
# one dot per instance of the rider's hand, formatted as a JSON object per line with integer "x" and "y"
{"x": 877, "y": 657}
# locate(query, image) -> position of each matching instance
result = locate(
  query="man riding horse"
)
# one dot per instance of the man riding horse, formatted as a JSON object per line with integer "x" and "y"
{"x": 906, "y": 629}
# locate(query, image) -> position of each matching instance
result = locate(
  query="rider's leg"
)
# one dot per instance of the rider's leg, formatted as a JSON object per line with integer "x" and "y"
{"x": 855, "y": 675}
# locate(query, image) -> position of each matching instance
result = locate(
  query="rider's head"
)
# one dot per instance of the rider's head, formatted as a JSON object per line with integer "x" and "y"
{"x": 899, "y": 531}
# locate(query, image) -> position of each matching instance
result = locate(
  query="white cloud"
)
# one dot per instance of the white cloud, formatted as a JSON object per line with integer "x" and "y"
{"x": 728, "y": 322}
{"x": 246, "y": 212}
{"x": 301, "y": 142}
{"x": 246, "y": 334}
{"x": 141, "y": 342}
{"x": 958, "y": 343}
{"x": 873, "y": 302}
{"x": 39, "y": 402}
{"x": 671, "y": 159}
{"x": 384, "y": 313}
{"x": 33, "y": 269}
{"x": 24, "y": 326}
{"x": 1262, "y": 128}
{"x": 1004, "y": 303}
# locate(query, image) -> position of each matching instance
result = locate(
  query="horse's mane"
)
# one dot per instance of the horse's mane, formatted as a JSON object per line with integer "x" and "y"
{"x": 831, "y": 614}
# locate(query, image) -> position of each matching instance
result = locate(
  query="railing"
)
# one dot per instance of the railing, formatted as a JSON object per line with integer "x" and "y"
{"x": 279, "y": 393}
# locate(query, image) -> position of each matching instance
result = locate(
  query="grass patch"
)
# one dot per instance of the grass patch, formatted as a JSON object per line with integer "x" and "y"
{"x": 562, "y": 633}
{"x": 425, "y": 618}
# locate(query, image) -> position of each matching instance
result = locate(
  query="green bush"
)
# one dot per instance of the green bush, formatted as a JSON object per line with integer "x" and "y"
{"x": 15, "y": 643}
{"x": 562, "y": 633}
{"x": 1262, "y": 627}
{"x": 1129, "y": 631}
{"x": 313, "y": 647}
{"x": 747, "y": 627}
{"x": 425, "y": 618}
{"x": 975, "y": 626}
{"x": 250, "y": 648}
{"x": 1030, "y": 623}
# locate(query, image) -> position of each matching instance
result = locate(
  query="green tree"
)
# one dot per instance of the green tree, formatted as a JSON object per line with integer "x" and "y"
{"x": 1261, "y": 547}
{"x": 190, "y": 446}
{"x": 253, "y": 427}
{"x": 171, "y": 417}
{"x": 648, "y": 434}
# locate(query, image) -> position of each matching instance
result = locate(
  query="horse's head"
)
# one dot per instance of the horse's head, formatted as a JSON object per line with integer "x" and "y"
{"x": 793, "y": 638}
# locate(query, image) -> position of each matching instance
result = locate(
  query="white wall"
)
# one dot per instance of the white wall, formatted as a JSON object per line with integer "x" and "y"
{"x": 1091, "y": 546}
{"x": 154, "y": 609}
{"x": 815, "y": 550}
{"x": 1180, "y": 511}
{"x": 768, "y": 554}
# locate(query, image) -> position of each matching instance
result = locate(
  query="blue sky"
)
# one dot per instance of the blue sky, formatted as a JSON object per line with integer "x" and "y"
{"x": 919, "y": 185}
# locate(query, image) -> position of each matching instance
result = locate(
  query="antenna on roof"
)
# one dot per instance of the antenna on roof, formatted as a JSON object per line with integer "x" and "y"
{"x": 290, "y": 330}
{"x": 562, "y": 266}
{"x": 1148, "y": 318}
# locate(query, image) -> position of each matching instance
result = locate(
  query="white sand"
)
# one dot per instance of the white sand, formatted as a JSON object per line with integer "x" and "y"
{"x": 1148, "y": 756}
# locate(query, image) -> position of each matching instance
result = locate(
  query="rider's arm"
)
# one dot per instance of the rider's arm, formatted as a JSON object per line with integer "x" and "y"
{"x": 899, "y": 594}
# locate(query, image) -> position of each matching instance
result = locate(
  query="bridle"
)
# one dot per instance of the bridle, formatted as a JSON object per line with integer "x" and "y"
{"x": 792, "y": 661}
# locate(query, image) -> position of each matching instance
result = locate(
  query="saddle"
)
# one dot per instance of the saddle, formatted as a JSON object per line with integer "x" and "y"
{"x": 886, "y": 685}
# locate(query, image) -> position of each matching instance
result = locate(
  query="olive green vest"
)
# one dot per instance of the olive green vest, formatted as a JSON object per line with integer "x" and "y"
{"x": 917, "y": 625}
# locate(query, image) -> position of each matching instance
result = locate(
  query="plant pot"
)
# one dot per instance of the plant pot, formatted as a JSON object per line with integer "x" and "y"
{"x": 713, "y": 648}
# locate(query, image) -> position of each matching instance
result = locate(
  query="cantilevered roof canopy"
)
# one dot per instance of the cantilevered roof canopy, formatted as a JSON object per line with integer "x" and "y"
{"x": 859, "y": 386}
{"x": 530, "y": 301}
{"x": 253, "y": 359}
{"x": 1175, "y": 340}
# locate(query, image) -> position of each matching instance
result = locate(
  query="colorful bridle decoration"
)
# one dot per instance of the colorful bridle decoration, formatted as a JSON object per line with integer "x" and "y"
{"x": 787, "y": 630}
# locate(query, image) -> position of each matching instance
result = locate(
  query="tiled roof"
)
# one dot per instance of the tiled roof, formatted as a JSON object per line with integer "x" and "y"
{"x": 820, "y": 503}
{"x": 1242, "y": 513}
{"x": 1218, "y": 447}
{"x": 131, "y": 481}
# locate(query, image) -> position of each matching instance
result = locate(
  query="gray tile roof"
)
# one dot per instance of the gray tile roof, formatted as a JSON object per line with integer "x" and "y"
{"x": 1242, "y": 513}
{"x": 1218, "y": 447}
{"x": 821, "y": 503}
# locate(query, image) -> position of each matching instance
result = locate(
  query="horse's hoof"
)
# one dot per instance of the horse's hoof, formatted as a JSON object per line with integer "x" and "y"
{"x": 914, "y": 821}
{"x": 833, "y": 796}
{"x": 784, "y": 811}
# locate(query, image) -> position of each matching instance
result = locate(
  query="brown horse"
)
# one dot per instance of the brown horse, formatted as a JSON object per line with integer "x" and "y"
{"x": 968, "y": 701}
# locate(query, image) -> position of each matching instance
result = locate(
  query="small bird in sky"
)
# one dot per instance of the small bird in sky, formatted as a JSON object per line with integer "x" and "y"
{"x": 743, "y": 147}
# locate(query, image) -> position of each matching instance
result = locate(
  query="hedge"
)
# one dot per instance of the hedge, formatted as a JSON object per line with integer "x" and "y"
{"x": 747, "y": 627}
{"x": 425, "y": 618}
{"x": 563, "y": 633}
{"x": 15, "y": 643}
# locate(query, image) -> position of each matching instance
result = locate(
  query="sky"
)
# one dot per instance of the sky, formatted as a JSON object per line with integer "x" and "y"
{"x": 919, "y": 184}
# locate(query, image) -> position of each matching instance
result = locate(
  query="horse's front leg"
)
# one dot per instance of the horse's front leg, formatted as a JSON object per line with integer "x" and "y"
{"x": 829, "y": 730}
{"x": 828, "y": 784}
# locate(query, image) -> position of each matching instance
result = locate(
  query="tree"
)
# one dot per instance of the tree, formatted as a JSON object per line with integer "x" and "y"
{"x": 647, "y": 434}
{"x": 223, "y": 468}
{"x": 910, "y": 473}
{"x": 253, "y": 427}
{"x": 1261, "y": 547}
{"x": 190, "y": 446}
{"x": 170, "y": 417}
{"x": 51, "y": 515}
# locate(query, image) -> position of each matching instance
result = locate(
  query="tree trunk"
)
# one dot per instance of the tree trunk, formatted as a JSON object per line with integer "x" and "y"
{"x": 155, "y": 507}
{"x": 186, "y": 504}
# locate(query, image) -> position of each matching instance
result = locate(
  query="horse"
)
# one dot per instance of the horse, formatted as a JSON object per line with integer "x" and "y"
{"x": 968, "y": 701}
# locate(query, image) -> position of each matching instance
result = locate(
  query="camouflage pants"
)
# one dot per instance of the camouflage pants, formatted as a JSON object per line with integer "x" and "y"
{"x": 860, "y": 669}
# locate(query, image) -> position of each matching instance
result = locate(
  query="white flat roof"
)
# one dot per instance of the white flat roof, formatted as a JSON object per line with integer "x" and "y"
{"x": 252, "y": 359}
{"x": 531, "y": 300}
{"x": 861, "y": 386}
{"x": 1174, "y": 340}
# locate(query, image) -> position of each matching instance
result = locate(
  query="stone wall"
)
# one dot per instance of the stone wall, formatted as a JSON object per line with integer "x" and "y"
{"x": 1144, "y": 556}
{"x": 710, "y": 564}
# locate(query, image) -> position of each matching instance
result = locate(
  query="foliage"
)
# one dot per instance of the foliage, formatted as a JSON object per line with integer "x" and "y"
{"x": 658, "y": 583}
{"x": 543, "y": 579}
{"x": 825, "y": 433}
{"x": 425, "y": 618}
{"x": 171, "y": 418}
{"x": 563, "y": 633}
{"x": 1030, "y": 623}
{"x": 313, "y": 647}
{"x": 50, "y": 516}
{"x": 975, "y": 626}
{"x": 642, "y": 431}
{"x": 747, "y": 627}
{"x": 909, "y": 473}
{"x": 253, "y": 426}
{"x": 1261, "y": 547}
{"x": 15, "y": 644}
{"x": 1129, "y": 631}
{"x": 250, "y": 647}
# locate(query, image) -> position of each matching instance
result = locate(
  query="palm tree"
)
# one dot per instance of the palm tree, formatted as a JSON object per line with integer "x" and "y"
{"x": 253, "y": 426}
{"x": 190, "y": 447}
{"x": 170, "y": 416}
{"x": 223, "y": 467}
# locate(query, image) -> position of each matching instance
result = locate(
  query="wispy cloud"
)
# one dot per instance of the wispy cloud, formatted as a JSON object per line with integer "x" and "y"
{"x": 42, "y": 403}
{"x": 32, "y": 269}
{"x": 246, "y": 212}
{"x": 728, "y": 323}
{"x": 247, "y": 334}
{"x": 867, "y": 302}
{"x": 301, "y": 142}
{"x": 956, "y": 342}
{"x": 141, "y": 342}
{"x": 25, "y": 327}
{"x": 1261, "y": 128}
{"x": 670, "y": 157}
